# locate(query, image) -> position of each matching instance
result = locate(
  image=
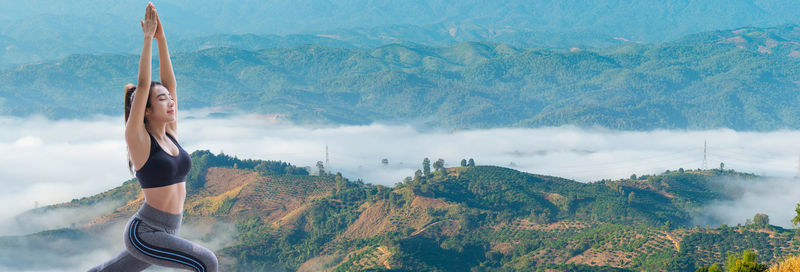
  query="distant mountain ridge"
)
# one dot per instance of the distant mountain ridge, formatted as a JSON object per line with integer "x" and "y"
{"x": 41, "y": 30}
{"x": 783, "y": 40}
{"x": 703, "y": 82}
{"x": 486, "y": 218}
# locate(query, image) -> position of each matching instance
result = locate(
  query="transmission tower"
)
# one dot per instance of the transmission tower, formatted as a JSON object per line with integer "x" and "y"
{"x": 705, "y": 149}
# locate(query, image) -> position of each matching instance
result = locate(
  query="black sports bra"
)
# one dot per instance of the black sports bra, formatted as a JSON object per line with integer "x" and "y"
{"x": 161, "y": 168}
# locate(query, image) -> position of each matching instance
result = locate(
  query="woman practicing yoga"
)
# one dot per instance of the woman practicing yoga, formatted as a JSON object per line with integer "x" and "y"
{"x": 151, "y": 131}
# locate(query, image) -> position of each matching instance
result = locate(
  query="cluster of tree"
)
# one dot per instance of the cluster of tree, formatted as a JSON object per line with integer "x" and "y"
{"x": 760, "y": 219}
{"x": 203, "y": 159}
{"x": 464, "y": 162}
{"x": 746, "y": 261}
{"x": 425, "y": 172}
{"x": 703, "y": 243}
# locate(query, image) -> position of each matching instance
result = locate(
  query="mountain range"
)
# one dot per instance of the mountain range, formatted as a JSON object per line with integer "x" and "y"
{"x": 39, "y": 30}
{"x": 743, "y": 79}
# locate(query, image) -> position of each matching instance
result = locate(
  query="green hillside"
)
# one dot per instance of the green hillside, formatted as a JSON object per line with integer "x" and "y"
{"x": 699, "y": 83}
{"x": 469, "y": 218}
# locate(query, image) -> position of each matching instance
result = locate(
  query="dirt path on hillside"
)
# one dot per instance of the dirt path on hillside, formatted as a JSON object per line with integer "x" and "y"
{"x": 674, "y": 242}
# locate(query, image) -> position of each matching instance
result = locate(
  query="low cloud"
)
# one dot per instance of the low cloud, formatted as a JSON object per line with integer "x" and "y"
{"x": 54, "y": 218}
{"x": 80, "y": 252}
{"x": 775, "y": 197}
{"x": 60, "y": 252}
{"x": 214, "y": 237}
{"x": 46, "y": 161}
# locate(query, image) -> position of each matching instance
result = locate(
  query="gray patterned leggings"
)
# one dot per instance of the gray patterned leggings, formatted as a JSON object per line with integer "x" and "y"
{"x": 151, "y": 239}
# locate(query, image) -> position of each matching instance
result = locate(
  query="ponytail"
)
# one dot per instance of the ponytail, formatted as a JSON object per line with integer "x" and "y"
{"x": 130, "y": 93}
{"x": 129, "y": 90}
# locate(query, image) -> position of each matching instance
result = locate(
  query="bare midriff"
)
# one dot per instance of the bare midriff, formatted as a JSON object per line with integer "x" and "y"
{"x": 168, "y": 198}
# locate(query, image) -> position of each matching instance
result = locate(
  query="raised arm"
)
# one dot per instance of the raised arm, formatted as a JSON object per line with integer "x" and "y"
{"x": 166, "y": 73}
{"x": 134, "y": 129}
{"x": 165, "y": 64}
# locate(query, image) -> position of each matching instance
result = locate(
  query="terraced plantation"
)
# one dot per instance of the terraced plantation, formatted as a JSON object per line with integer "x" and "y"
{"x": 274, "y": 197}
{"x": 471, "y": 218}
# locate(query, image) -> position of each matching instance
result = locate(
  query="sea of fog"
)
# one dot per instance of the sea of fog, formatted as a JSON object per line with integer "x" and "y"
{"x": 45, "y": 161}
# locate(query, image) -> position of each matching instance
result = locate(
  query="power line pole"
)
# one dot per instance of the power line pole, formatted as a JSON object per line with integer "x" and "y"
{"x": 705, "y": 149}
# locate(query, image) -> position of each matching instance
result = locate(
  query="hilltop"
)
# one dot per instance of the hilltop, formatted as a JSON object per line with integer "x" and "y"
{"x": 486, "y": 218}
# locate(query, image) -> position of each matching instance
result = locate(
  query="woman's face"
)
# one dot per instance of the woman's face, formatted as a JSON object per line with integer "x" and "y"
{"x": 162, "y": 107}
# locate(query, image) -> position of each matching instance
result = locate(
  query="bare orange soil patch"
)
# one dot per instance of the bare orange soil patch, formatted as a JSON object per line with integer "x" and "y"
{"x": 594, "y": 256}
{"x": 220, "y": 180}
{"x": 371, "y": 222}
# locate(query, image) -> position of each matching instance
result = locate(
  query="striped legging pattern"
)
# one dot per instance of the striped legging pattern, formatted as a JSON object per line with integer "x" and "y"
{"x": 163, "y": 253}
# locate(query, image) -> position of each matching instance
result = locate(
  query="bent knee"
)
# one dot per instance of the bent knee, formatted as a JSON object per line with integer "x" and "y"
{"x": 210, "y": 260}
{"x": 213, "y": 263}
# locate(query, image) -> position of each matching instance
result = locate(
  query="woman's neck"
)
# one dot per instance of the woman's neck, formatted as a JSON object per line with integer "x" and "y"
{"x": 158, "y": 131}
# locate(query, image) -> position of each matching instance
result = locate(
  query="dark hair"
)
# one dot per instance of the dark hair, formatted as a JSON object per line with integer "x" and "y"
{"x": 130, "y": 93}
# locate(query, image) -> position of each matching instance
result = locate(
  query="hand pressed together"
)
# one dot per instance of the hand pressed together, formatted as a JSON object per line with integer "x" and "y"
{"x": 150, "y": 23}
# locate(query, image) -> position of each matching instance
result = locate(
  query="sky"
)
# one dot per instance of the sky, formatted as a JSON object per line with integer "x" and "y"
{"x": 45, "y": 162}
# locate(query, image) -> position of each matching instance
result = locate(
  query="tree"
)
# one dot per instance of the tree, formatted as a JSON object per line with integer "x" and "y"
{"x": 711, "y": 268}
{"x": 385, "y": 162}
{"x": 631, "y": 198}
{"x": 321, "y": 168}
{"x": 796, "y": 219}
{"x": 761, "y": 219}
{"x": 426, "y": 166}
{"x": 468, "y": 219}
{"x": 721, "y": 166}
{"x": 747, "y": 261}
{"x": 417, "y": 174}
{"x": 439, "y": 164}
{"x": 471, "y": 162}
{"x": 463, "y": 162}
{"x": 341, "y": 182}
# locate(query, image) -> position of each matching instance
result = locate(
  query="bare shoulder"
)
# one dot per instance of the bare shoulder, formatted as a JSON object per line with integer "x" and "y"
{"x": 138, "y": 145}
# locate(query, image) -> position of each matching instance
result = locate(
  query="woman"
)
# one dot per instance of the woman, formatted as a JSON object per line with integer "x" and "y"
{"x": 151, "y": 134}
